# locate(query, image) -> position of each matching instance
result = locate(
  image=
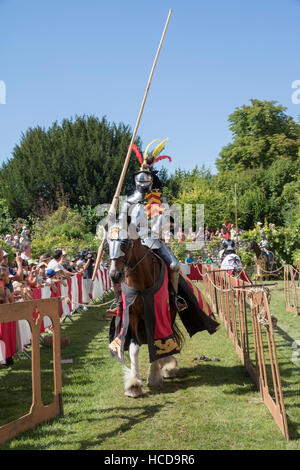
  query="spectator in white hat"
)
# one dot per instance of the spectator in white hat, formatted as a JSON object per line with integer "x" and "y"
{"x": 8, "y": 239}
{"x": 26, "y": 250}
{"x": 15, "y": 242}
{"x": 24, "y": 232}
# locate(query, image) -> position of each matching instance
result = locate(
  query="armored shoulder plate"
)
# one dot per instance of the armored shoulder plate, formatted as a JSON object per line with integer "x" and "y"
{"x": 136, "y": 197}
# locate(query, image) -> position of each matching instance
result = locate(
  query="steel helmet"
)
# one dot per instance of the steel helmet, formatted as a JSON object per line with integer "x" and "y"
{"x": 143, "y": 181}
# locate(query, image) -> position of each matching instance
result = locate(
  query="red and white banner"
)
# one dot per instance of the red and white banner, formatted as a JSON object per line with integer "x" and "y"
{"x": 14, "y": 335}
{"x": 192, "y": 271}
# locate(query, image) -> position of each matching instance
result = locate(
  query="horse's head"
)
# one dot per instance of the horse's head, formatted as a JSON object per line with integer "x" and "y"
{"x": 228, "y": 247}
{"x": 119, "y": 250}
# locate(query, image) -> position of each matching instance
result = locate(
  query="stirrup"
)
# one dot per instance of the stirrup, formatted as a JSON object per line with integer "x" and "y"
{"x": 180, "y": 304}
{"x": 113, "y": 309}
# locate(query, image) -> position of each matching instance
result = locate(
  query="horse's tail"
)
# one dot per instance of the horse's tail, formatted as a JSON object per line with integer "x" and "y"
{"x": 179, "y": 337}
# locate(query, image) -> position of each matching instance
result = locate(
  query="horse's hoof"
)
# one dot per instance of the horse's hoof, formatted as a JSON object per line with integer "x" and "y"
{"x": 134, "y": 391}
{"x": 169, "y": 367}
{"x": 274, "y": 321}
{"x": 154, "y": 383}
{"x": 169, "y": 373}
{"x": 132, "y": 384}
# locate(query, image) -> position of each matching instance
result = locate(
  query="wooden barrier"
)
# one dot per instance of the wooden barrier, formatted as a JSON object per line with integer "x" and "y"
{"x": 34, "y": 312}
{"x": 252, "y": 335}
{"x": 290, "y": 290}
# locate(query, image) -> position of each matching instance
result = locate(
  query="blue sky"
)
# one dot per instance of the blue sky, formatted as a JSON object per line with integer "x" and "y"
{"x": 64, "y": 58}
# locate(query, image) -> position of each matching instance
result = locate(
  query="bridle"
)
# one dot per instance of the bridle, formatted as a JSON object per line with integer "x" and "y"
{"x": 128, "y": 245}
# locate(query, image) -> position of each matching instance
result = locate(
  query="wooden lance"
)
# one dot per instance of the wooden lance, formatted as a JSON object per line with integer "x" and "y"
{"x": 115, "y": 200}
{"x": 236, "y": 221}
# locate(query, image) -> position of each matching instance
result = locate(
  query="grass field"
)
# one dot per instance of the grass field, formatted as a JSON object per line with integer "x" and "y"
{"x": 209, "y": 405}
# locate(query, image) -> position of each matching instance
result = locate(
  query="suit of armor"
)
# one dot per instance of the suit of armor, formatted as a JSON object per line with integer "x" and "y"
{"x": 150, "y": 232}
{"x": 133, "y": 215}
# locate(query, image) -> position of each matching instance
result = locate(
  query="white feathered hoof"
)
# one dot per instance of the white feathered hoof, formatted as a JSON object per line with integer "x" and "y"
{"x": 133, "y": 385}
{"x": 134, "y": 391}
{"x": 169, "y": 367}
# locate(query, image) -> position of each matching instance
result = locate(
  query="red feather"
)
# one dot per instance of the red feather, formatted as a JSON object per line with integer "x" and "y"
{"x": 162, "y": 157}
{"x": 138, "y": 154}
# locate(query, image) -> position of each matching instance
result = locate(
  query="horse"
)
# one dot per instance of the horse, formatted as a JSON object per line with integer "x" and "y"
{"x": 139, "y": 269}
{"x": 147, "y": 311}
{"x": 230, "y": 261}
{"x": 265, "y": 265}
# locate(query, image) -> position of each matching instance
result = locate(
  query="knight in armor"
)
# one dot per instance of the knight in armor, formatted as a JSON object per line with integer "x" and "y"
{"x": 230, "y": 260}
{"x": 264, "y": 243}
{"x": 227, "y": 248}
{"x": 144, "y": 216}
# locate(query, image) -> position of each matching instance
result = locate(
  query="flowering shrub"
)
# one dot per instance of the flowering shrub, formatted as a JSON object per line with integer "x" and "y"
{"x": 63, "y": 229}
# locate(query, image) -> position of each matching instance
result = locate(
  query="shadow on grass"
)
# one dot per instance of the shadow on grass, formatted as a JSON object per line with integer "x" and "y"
{"x": 211, "y": 375}
{"x": 285, "y": 336}
{"x": 141, "y": 415}
{"x": 129, "y": 416}
{"x": 219, "y": 376}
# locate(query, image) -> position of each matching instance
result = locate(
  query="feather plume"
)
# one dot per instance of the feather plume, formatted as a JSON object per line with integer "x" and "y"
{"x": 138, "y": 153}
{"x": 159, "y": 148}
{"x": 162, "y": 157}
{"x": 148, "y": 146}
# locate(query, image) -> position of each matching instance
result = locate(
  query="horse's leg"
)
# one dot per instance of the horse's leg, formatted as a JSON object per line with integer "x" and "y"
{"x": 169, "y": 366}
{"x": 154, "y": 377}
{"x": 132, "y": 381}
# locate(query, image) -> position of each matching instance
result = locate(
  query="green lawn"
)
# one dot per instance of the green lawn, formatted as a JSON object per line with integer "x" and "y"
{"x": 209, "y": 405}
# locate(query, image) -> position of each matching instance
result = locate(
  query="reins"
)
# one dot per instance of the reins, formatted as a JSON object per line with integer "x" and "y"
{"x": 149, "y": 249}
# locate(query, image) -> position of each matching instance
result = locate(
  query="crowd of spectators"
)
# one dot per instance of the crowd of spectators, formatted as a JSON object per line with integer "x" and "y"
{"x": 16, "y": 239}
{"x": 17, "y": 278}
{"x": 181, "y": 236}
{"x": 198, "y": 259}
{"x": 20, "y": 276}
{"x": 225, "y": 231}
{"x": 21, "y": 273}
{"x": 206, "y": 235}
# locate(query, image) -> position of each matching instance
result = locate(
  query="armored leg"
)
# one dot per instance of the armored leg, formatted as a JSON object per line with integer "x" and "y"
{"x": 174, "y": 278}
{"x": 168, "y": 257}
{"x": 174, "y": 266}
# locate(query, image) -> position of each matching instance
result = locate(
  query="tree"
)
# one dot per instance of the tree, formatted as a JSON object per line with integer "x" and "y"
{"x": 6, "y": 221}
{"x": 182, "y": 179}
{"x": 253, "y": 205}
{"x": 197, "y": 187}
{"x": 262, "y": 133}
{"x": 83, "y": 158}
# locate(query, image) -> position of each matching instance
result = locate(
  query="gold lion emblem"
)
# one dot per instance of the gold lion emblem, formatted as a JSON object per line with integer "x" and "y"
{"x": 168, "y": 346}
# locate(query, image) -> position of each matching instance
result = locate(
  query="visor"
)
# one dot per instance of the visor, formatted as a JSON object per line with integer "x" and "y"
{"x": 143, "y": 177}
